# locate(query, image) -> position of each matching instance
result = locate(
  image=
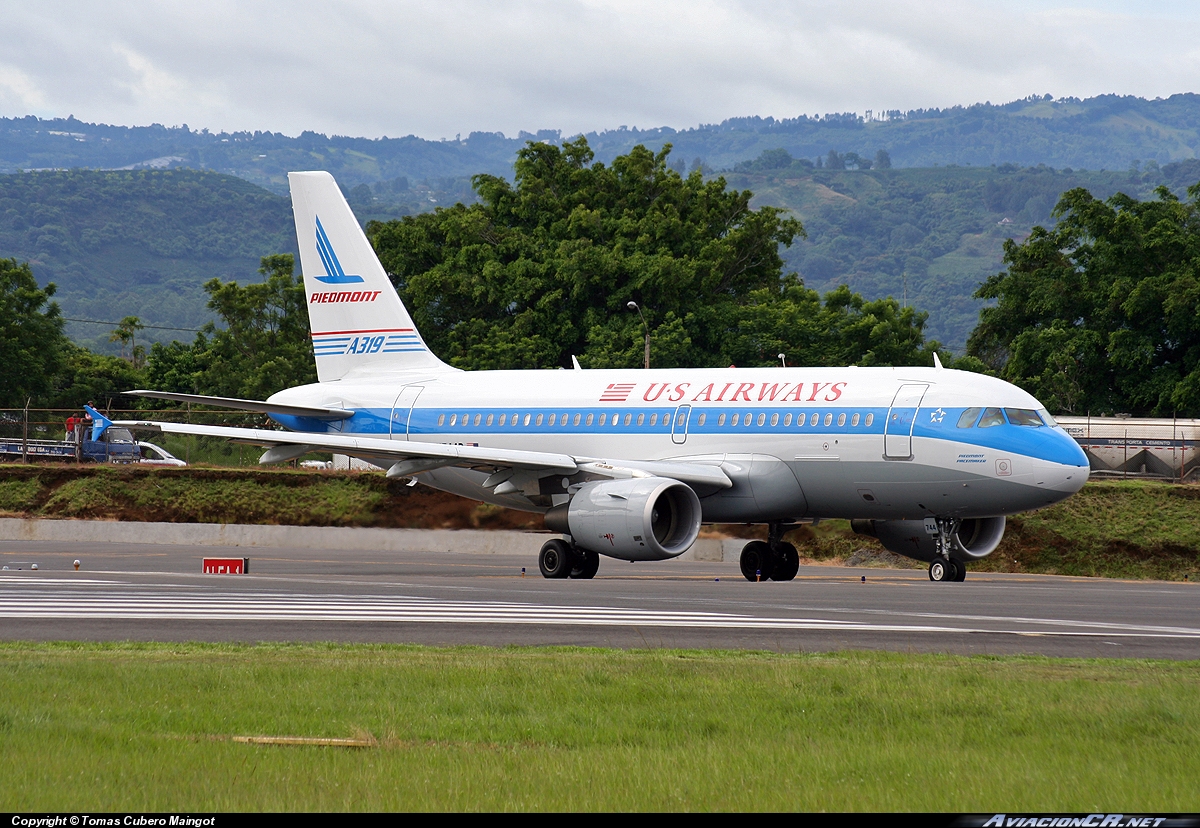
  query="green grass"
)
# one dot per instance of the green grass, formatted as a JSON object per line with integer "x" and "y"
{"x": 146, "y": 727}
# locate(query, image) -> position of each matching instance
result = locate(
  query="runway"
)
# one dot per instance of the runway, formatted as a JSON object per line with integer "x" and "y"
{"x": 148, "y": 592}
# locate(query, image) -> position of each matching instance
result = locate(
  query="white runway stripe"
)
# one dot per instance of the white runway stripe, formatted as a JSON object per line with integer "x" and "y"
{"x": 36, "y": 600}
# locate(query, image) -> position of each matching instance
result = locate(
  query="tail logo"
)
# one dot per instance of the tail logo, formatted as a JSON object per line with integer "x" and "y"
{"x": 333, "y": 268}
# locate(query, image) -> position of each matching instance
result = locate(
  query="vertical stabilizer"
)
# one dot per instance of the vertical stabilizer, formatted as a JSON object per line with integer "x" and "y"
{"x": 357, "y": 319}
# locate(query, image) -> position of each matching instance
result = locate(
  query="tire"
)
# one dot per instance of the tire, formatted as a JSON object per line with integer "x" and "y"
{"x": 556, "y": 559}
{"x": 757, "y": 561}
{"x": 787, "y": 562}
{"x": 960, "y": 571}
{"x": 939, "y": 570}
{"x": 587, "y": 563}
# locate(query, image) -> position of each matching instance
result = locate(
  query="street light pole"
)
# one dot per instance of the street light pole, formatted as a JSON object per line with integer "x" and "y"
{"x": 633, "y": 306}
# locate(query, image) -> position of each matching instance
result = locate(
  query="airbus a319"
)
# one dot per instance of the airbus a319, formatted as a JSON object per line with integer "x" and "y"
{"x": 630, "y": 463}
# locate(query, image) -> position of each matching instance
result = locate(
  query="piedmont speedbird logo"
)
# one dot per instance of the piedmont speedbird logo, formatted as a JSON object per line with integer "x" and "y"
{"x": 333, "y": 268}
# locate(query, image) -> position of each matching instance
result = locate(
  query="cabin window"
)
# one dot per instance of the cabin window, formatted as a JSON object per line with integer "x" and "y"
{"x": 466, "y": 420}
{"x": 514, "y": 419}
{"x": 762, "y": 419}
{"x": 528, "y": 417}
{"x": 491, "y": 419}
{"x": 578, "y": 417}
{"x": 563, "y": 418}
{"x": 774, "y": 420}
{"x": 503, "y": 419}
{"x": 603, "y": 419}
{"x": 787, "y": 420}
{"x": 478, "y": 419}
{"x": 854, "y": 419}
{"x": 628, "y": 419}
{"x": 841, "y": 420}
{"x": 968, "y": 417}
{"x": 828, "y": 419}
{"x": 870, "y": 419}
{"x": 453, "y": 419}
{"x": 591, "y": 417}
{"x": 991, "y": 417}
{"x": 749, "y": 418}
{"x": 735, "y": 419}
{"x": 721, "y": 420}
{"x": 703, "y": 417}
{"x": 1023, "y": 417}
{"x": 641, "y": 419}
{"x": 654, "y": 418}
{"x": 441, "y": 420}
{"x": 540, "y": 418}
{"x": 553, "y": 418}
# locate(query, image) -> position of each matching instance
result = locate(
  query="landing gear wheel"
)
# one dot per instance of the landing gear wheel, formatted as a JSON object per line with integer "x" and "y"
{"x": 556, "y": 560}
{"x": 787, "y": 562}
{"x": 940, "y": 569}
{"x": 757, "y": 561}
{"x": 960, "y": 571}
{"x": 587, "y": 563}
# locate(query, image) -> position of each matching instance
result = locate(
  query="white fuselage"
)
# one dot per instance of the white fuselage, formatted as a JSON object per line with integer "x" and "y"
{"x": 797, "y": 442}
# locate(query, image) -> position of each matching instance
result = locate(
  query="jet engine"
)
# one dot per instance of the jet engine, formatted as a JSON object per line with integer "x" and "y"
{"x": 640, "y": 519}
{"x": 975, "y": 537}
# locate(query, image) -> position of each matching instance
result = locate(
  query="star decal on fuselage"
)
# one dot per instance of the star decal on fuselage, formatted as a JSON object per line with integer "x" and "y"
{"x": 936, "y": 416}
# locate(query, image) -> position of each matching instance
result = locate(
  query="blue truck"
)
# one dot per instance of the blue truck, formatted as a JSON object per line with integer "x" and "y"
{"x": 99, "y": 443}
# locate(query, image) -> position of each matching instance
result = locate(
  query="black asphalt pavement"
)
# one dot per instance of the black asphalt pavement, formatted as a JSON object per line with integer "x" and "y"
{"x": 158, "y": 593}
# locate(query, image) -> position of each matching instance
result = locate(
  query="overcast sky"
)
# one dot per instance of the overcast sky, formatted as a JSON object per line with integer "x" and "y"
{"x": 437, "y": 69}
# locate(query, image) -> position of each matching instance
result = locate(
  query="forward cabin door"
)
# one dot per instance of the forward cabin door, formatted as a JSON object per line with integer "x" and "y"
{"x": 902, "y": 416}
{"x": 402, "y": 411}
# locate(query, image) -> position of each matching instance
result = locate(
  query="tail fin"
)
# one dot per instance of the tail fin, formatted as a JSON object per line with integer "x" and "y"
{"x": 357, "y": 319}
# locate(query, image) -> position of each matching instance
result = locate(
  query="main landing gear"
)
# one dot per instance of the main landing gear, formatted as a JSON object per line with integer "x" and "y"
{"x": 943, "y": 567}
{"x": 771, "y": 560}
{"x": 560, "y": 559}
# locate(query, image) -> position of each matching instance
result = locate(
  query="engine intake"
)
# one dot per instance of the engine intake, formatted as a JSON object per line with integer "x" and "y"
{"x": 975, "y": 538}
{"x": 642, "y": 519}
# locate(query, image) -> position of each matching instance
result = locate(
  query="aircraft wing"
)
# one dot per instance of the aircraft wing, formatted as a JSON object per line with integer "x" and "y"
{"x": 411, "y": 457}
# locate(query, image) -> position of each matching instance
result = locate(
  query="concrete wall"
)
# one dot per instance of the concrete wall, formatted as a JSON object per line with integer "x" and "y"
{"x": 313, "y": 537}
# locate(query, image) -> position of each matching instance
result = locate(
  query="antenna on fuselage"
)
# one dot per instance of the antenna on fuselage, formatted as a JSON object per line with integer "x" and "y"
{"x": 575, "y": 363}
{"x": 937, "y": 363}
{"x": 782, "y": 359}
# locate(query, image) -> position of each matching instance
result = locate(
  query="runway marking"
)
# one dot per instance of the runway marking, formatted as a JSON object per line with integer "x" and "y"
{"x": 33, "y": 600}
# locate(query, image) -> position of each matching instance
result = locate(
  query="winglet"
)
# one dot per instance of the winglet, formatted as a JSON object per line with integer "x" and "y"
{"x": 100, "y": 423}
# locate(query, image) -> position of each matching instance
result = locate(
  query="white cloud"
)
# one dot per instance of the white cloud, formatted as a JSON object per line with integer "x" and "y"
{"x": 373, "y": 68}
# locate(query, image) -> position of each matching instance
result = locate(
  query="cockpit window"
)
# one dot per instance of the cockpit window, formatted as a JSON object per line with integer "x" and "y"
{"x": 991, "y": 417}
{"x": 1023, "y": 417}
{"x": 1047, "y": 418}
{"x": 969, "y": 417}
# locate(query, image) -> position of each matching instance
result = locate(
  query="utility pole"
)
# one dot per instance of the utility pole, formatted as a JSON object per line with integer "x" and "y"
{"x": 633, "y": 306}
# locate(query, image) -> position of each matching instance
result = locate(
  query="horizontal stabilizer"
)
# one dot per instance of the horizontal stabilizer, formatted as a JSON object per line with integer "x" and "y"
{"x": 247, "y": 405}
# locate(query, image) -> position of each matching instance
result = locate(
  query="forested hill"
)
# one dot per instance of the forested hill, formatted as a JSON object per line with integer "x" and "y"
{"x": 927, "y": 236}
{"x": 139, "y": 243}
{"x": 1106, "y": 132}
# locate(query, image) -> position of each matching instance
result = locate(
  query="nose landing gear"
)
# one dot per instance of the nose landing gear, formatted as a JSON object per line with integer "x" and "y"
{"x": 943, "y": 567}
{"x": 773, "y": 560}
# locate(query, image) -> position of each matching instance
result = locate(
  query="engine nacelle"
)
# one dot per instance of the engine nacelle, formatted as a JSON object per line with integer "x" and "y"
{"x": 975, "y": 538}
{"x": 641, "y": 519}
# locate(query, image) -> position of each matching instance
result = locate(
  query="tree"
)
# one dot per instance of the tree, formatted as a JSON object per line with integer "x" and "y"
{"x": 883, "y": 161}
{"x": 264, "y": 346}
{"x": 541, "y": 269}
{"x": 31, "y": 335}
{"x": 126, "y": 334}
{"x": 1102, "y": 312}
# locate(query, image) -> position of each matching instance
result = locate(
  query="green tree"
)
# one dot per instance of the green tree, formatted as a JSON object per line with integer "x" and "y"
{"x": 85, "y": 375}
{"x": 263, "y": 347}
{"x": 31, "y": 335}
{"x": 1102, "y": 312}
{"x": 542, "y": 269}
{"x": 126, "y": 334}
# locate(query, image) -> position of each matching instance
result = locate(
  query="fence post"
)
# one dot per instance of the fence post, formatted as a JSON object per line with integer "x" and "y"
{"x": 25, "y": 435}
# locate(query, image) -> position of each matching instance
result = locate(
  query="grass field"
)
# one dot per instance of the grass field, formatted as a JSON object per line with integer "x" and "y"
{"x": 149, "y": 727}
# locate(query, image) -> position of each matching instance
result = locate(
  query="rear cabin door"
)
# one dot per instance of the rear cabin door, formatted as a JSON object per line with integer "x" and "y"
{"x": 402, "y": 411}
{"x": 902, "y": 416}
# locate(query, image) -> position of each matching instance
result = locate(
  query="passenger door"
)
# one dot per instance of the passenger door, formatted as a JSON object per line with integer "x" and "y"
{"x": 902, "y": 416}
{"x": 402, "y": 411}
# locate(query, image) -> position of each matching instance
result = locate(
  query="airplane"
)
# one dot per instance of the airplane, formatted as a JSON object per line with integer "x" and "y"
{"x": 629, "y": 464}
